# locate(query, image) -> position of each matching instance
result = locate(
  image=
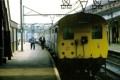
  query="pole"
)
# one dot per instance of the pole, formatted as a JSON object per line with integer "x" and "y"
{"x": 111, "y": 13}
{"x": 21, "y": 25}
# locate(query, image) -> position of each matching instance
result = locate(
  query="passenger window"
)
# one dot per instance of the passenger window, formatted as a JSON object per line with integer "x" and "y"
{"x": 97, "y": 32}
{"x": 52, "y": 30}
{"x": 68, "y": 33}
{"x": 55, "y": 30}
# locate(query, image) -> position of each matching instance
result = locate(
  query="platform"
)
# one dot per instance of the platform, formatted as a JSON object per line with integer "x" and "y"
{"x": 29, "y": 65}
{"x": 114, "y": 47}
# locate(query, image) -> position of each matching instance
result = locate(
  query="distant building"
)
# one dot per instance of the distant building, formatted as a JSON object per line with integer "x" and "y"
{"x": 109, "y": 9}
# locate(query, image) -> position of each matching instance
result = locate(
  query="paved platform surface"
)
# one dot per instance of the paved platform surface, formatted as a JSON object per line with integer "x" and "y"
{"x": 29, "y": 65}
{"x": 114, "y": 47}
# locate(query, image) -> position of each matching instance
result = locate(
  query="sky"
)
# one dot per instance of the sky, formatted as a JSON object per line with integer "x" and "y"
{"x": 42, "y": 7}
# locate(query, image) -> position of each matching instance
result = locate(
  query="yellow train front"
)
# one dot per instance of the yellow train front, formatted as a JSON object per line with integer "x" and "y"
{"x": 80, "y": 42}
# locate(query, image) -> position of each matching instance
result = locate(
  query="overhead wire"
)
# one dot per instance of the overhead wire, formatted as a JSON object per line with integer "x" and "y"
{"x": 74, "y": 4}
{"x": 80, "y": 5}
{"x": 73, "y": 9}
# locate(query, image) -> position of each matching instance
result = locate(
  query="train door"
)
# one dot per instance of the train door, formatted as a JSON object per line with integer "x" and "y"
{"x": 52, "y": 38}
{"x": 55, "y": 39}
{"x": 81, "y": 39}
{"x": 77, "y": 42}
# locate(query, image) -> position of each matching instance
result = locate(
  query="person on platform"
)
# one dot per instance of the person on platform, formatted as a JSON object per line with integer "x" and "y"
{"x": 32, "y": 41}
{"x": 42, "y": 41}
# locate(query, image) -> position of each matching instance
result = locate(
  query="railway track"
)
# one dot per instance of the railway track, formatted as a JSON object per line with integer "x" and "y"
{"x": 111, "y": 71}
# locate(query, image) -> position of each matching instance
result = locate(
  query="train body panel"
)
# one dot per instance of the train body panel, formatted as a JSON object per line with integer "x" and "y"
{"x": 52, "y": 39}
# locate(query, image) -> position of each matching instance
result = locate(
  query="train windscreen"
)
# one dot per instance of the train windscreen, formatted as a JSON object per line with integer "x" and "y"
{"x": 97, "y": 32}
{"x": 68, "y": 33}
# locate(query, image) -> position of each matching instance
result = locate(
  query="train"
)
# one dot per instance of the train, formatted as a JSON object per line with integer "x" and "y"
{"x": 78, "y": 40}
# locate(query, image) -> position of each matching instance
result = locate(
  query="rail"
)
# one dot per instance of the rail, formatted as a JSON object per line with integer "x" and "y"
{"x": 112, "y": 65}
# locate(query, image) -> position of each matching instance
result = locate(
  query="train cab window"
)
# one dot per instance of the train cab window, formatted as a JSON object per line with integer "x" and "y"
{"x": 68, "y": 33}
{"x": 97, "y": 32}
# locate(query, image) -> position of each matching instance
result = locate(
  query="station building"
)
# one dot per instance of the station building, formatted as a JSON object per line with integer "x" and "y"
{"x": 110, "y": 11}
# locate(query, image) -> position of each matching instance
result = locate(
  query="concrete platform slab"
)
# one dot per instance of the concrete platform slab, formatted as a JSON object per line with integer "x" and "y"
{"x": 29, "y": 65}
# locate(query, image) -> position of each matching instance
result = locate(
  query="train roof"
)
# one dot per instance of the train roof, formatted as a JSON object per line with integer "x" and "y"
{"x": 81, "y": 19}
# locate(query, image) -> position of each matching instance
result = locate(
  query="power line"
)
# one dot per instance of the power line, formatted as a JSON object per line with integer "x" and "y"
{"x": 38, "y": 13}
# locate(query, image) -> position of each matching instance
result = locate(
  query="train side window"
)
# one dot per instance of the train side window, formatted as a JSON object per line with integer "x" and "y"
{"x": 68, "y": 33}
{"x": 97, "y": 32}
{"x": 52, "y": 30}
